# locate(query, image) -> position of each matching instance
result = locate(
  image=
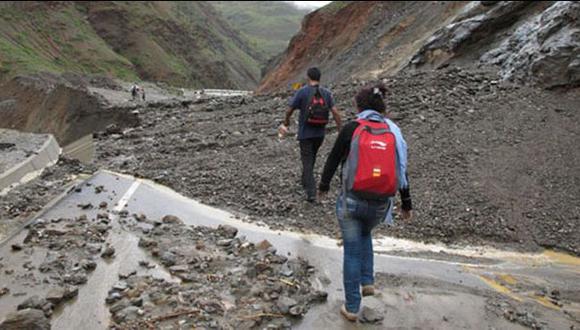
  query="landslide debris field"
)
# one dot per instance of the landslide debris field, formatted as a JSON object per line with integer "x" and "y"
{"x": 490, "y": 162}
{"x": 193, "y": 276}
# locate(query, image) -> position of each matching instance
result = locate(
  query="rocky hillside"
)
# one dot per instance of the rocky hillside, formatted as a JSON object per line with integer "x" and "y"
{"x": 535, "y": 41}
{"x": 269, "y": 25}
{"x": 181, "y": 43}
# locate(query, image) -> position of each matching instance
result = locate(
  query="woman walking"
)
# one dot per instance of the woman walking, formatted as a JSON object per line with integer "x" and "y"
{"x": 373, "y": 155}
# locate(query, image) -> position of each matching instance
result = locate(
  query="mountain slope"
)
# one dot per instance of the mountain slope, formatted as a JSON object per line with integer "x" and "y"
{"x": 181, "y": 43}
{"x": 269, "y": 25}
{"x": 349, "y": 39}
{"x": 530, "y": 41}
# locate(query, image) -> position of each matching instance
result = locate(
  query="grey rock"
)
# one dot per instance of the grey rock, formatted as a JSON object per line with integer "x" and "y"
{"x": 128, "y": 314}
{"x": 227, "y": 231}
{"x": 36, "y": 302}
{"x": 224, "y": 242}
{"x": 371, "y": 315}
{"x": 179, "y": 269}
{"x": 168, "y": 259}
{"x": 126, "y": 274}
{"x": 119, "y": 306}
{"x": 75, "y": 279}
{"x": 29, "y": 319}
{"x": 140, "y": 217}
{"x": 285, "y": 303}
{"x": 296, "y": 310}
{"x": 171, "y": 219}
{"x": 120, "y": 286}
{"x": 113, "y": 297}
{"x": 60, "y": 294}
{"x": 109, "y": 252}
{"x": 147, "y": 243}
{"x": 286, "y": 271}
{"x": 85, "y": 206}
{"x": 88, "y": 265}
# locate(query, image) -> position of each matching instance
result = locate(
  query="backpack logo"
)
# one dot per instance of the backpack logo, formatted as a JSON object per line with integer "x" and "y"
{"x": 379, "y": 145}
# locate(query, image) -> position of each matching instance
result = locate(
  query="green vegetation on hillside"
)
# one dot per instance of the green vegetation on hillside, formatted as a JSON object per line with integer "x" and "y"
{"x": 269, "y": 25}
{"x": 180, "y": 43}
{"x": 55, "y": 41}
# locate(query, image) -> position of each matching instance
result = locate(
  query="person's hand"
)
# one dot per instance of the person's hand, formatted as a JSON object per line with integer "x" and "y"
{"x": 282, "y": 130}
{"x": 407, "y": 215}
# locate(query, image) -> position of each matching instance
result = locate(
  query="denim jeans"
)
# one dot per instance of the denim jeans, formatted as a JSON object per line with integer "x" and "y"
{"x": 308, "y": 151}
{"x": 357, "y": 218}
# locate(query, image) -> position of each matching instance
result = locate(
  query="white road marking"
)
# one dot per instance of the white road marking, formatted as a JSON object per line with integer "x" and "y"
{"x": 125, "y": 199}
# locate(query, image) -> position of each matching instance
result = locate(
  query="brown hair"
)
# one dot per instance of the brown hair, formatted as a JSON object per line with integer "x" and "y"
{"x": 371, "y": 97}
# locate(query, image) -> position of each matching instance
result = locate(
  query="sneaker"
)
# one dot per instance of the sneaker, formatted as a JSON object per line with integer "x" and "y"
{"x": 352, "y": 317}
{"x": 311, "y": 200}
{"x": 368, "y": 290}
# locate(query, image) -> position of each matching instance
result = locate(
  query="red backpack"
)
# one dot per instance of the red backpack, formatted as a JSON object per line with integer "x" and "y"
{"x": 318, "y": 111}
{"x": 370, "y": 171}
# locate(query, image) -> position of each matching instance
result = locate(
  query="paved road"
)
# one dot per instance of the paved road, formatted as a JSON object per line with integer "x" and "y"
{"x": 454, "y": 293}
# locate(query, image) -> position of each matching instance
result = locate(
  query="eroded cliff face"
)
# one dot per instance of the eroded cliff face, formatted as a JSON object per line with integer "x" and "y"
{"x": 59, "y": 105}
{"x": 358, "y": 40}
{"x": 530, "y": 42}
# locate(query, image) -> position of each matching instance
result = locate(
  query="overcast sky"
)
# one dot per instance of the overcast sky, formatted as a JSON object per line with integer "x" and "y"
{"x": 310, "y": 4}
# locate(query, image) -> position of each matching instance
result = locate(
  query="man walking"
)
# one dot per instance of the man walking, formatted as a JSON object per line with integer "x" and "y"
{"x": 315, "y": 103}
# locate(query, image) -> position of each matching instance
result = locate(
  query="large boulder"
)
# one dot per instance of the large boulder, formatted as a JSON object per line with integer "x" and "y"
{"x": 26, "y": 319}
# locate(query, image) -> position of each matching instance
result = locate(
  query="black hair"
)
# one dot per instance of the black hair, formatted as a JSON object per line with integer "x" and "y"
{"x": 371, "y": 97}
{"x": 314, "y": 74}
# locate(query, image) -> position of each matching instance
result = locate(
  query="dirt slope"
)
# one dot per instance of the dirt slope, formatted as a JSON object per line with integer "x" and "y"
{"x": 352, "y": 39}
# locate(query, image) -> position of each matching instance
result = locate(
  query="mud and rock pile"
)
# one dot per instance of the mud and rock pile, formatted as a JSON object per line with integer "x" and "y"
{"x": 58, "y": 256}
{"x": 489, "y": 160}
{"x": 224, "y": 281}
{"x": 209, "y": 278}
{"x": 25, "y": 200}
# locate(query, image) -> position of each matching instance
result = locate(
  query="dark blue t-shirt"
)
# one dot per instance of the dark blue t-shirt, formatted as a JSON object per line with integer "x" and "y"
{"x": 300, "y": 101}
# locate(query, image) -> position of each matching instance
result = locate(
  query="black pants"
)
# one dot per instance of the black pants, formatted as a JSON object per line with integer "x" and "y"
{"x": 308, "y": 150}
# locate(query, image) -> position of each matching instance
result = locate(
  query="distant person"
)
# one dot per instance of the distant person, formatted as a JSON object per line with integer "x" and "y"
{"x": 143, "y": 93}
{"x": 134, "y": 91}
{"x": 373, "y": 155}
{"x": 315, "y": 104}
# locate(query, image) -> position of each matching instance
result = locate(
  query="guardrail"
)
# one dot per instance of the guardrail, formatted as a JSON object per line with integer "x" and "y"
{"x": 47, "y": 155}
{"x": 223, "y": 92}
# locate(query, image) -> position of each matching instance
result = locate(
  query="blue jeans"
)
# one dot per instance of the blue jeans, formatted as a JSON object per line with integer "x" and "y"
{"x": 357, "y": 218}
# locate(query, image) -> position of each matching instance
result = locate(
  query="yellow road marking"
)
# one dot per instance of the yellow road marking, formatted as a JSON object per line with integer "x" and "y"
{"x": 562, "y": 258}
{"x": 508, "y": 279}
{"x": 500, "y": 288}
{"x": 545, "y": 302}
